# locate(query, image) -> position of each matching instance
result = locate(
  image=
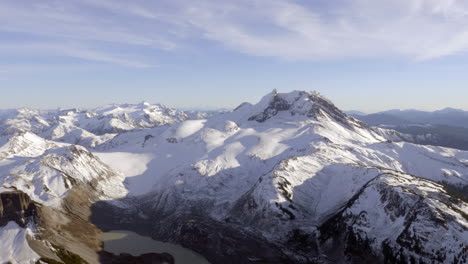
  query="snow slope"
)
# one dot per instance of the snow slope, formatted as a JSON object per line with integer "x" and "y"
{"x": 413, "y": 219}
{"x": 14, "y": 245}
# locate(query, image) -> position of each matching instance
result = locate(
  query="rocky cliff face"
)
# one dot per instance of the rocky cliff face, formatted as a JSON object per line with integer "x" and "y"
{"x": 398, "y": 218}
{"x": 17, "y": 206}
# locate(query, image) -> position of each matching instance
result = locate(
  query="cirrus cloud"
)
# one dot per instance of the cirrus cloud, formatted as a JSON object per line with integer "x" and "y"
{"x": 124, "y": 32}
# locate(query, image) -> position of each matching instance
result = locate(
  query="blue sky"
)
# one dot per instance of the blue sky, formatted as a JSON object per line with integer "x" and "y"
{"x": 362, "y": 54}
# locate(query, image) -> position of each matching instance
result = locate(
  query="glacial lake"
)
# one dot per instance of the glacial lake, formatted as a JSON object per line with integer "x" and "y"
{"x": 123, "y": 241}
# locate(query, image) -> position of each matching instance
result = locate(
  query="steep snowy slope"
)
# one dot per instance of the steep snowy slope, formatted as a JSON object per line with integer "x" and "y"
{"x": 15, "y": 247}
{"x": 410, "y": 219}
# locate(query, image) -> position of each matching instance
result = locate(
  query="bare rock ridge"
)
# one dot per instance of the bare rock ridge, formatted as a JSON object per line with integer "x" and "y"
{"x": 275, "y": 105}
{"x": 305, "y": 105}
{"x": 308, "y": 104}
{"x": 16, "y": 206}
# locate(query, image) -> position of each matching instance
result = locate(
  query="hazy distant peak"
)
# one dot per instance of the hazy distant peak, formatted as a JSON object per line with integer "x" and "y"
{"x": 449, "y": 110}
{"x": 355, "y": 112}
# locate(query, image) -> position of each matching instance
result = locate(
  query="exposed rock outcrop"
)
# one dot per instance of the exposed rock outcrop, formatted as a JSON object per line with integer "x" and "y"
{"x": 16, "y": 206}
{"x": 396, "y": 226}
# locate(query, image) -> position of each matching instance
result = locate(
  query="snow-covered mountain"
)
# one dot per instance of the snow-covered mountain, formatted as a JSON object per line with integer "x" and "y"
{"x": 91, "y": 127}
{"x": 291, "y": 179}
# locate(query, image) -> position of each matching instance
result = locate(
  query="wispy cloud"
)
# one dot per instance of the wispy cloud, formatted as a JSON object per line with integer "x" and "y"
{"x": 74, "y": 30}
{"x": 417, "y": 29}
{"x": 295, "y": 30}
{"x": 71, "y": 50}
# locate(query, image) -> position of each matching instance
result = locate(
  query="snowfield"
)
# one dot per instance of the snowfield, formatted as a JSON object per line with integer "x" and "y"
{"x": 130, "y": 165}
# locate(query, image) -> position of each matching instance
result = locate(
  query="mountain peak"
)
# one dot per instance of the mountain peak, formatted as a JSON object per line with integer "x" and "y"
{"x": 449, "y": 110}
{"x": 301, "y": 103}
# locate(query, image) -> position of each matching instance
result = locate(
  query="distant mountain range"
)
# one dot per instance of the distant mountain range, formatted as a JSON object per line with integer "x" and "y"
{"x": 447, "y": 116}
{"x": 447, "y": 127}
